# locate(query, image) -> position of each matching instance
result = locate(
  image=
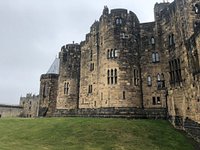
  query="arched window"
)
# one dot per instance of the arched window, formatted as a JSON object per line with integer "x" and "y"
{"x": 158, "y": 77}
{"x": 108, "y": 76}
{"x": 108, "y": 54}
{"x": 112, "y": 76}
{"x": 149, "y": 81}
{"x": 116, "y": 53}
{"x": 115, "y": 76}
{"x": 157, "y": 57}
{"x": 118, "y": 21}
{"x": 153, "y": 57}
{"x": 112, "y": 53}
{"x": 152, "y": 40}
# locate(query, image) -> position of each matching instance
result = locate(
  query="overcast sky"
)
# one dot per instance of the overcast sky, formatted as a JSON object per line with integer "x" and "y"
{"x": 33, "y": 31}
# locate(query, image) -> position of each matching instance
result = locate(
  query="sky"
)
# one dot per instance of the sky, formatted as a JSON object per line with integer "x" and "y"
{"x": 33, "y": 31}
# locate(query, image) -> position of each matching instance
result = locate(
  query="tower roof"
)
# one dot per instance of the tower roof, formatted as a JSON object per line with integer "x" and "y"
{"x": 54, "y": 69}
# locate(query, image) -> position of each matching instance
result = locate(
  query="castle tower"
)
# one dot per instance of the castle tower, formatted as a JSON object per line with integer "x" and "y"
{"x": 69, "y": 77}
{"x": 110, "y": 62}
{"x": 48, "y": 90}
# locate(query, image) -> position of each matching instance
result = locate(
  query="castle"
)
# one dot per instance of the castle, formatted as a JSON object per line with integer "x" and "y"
{"x": 124, "y": 67}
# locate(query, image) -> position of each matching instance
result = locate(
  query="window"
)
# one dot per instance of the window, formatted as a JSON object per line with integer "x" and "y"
{"x": 149, "y": 81}
{"x": 112, "y": 76}
{"x": 118, "y": 21}
{"x": 161, "y": 81}
{"x": 91, "y": 55}
{"x": 135, "y": 77}
{"x": 197, "y": 8}
{"x": 154, "y": 100}
{"x": 66, "y": 88}
{"x": 175, "y": 71}
{"x": 115, "y": 76}
{"x": 45, "y": 90}
{"x": 112, "y": 54}
{"x": 101, "y": 96}
{"x": 196, "y": 25}
{"x": 108, "y": 54}
{"x": 158, "y": 100}
{"x": 124, "y": 36}
{"x": 108, "y": 76}
{"x": 171, "y": 40}
{"x": 155, "y": 57}
{"x": 123, "y": 95}
{"x": 115, "y": 53}
{"x": 91, "y": 66}
{"x": 152, "y": 40}
{"x": 90, "y": 89}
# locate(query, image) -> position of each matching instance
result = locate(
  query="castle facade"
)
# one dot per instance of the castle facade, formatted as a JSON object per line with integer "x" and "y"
{"x": 123, "y": 63}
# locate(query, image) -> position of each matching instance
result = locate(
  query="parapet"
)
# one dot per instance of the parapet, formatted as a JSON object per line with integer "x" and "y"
{"x": 66, "y": 47}
{"x": 49, "y": 76}
{"x": 118, "y": 11}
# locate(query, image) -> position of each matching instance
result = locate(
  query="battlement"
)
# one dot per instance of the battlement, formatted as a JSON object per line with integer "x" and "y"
{"x": 95, "y": 26}
{"x": 69, "y": 46}
{"x": 49, "y": 76}
{"x": 118, "y": 11}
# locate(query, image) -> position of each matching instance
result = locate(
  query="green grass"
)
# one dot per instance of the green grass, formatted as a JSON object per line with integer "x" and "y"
{"x": 90, "y": 134}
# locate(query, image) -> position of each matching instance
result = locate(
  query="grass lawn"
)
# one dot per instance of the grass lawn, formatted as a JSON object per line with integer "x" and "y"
{"x": 90, "y": 134}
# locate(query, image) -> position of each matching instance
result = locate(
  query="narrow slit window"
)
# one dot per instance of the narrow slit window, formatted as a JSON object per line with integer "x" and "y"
{"x": 108, "y": 54}
{"x": 115, "y": 76}
{"x": 124, "y": 95}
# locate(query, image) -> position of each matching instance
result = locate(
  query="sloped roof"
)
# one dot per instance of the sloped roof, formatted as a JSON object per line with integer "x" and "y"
{"x": 54, "y": 69}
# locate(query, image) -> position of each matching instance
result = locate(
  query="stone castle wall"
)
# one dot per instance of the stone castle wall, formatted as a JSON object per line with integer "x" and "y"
{"x": 111, "y": 49}
{"x": 10, "y": 111}
{"x": 124, "y": 63}
{"x": 69, "y": 77}
{"x": 114, "y": 112}
{"x": 30, "y": 105}
{"x": 48, "y": 94}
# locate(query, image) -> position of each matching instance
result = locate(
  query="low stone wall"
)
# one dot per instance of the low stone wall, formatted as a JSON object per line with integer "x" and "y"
{"x": 10, "y": 111}
{"x": 192, "y": 128}
{"x": 137, "y": 113}
{"x": 189, "y": 126}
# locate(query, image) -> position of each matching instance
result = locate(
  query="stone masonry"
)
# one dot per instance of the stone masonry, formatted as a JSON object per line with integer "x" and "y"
{"x": 30, "y": 105}
{"x": 123, "y": 63}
